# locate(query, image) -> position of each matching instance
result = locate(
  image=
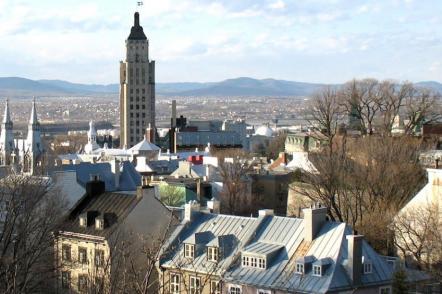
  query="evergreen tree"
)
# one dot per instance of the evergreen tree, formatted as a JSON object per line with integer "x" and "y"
{"x": 400, "y": 282}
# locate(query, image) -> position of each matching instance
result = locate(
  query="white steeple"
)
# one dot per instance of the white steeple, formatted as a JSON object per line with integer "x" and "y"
{"x": 34, "y": 146}
{"x": 91, "y": 139}
{"x": 6, "y": 137}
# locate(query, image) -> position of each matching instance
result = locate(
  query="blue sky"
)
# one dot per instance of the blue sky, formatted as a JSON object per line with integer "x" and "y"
{"x": 209, "y": 40}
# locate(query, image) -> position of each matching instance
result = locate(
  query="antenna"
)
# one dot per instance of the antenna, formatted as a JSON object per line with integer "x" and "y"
{"x": 139, "y": 4}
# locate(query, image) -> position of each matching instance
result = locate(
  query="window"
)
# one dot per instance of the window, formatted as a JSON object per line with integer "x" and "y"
{"x": 195, "y": 285}
{"x": 82, "y": 283}
{"x": 260, "y": 291}
{"x": 82, "y": 255}
{"x": 65, "y": 280}
{"x": 99, "y": 257}
{"x": 175, "y": 283}
{"x": 299, "y": 268}
{"x": 234, "y": 289}
{"x": 262, "y": 263}
{"x": 367, "y": 267}
{"x": 215, "y": 287}
{"x": 253, "y": 261}
{"x": 317, "y": 270}
{"x": 385, "y": 290}
{"x": 83, "y": 221}
{"x": 189, "y": 250}
{"x": 245, "y": 261}
{"x": 212, "y": 254}
{"x": 99, "y": 223}
{"x": 66, "y": 252}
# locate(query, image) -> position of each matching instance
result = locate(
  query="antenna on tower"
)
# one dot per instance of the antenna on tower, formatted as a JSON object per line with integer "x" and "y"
{"x": 139, "y": 4}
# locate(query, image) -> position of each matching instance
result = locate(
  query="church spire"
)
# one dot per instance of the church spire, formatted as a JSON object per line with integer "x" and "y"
{"x": 33, "y": 120}
{"x": 7, "y": 115}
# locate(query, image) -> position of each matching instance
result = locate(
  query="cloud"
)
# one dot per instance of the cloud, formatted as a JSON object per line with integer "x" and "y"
{"x": 279, "y": 4}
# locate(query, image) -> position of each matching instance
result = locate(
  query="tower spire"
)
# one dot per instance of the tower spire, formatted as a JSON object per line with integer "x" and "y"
{"x": 33, "y": 120}
{"x": 7, "y": 115}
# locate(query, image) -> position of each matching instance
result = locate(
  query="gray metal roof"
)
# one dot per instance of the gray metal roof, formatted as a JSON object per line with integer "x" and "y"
{"x": 262, "y": 248}
{"x": 285, "y": 235}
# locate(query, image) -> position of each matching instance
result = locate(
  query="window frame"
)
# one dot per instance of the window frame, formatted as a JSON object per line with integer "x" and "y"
{"x": 99, "y": 257}
{"x": 189, "y": 251}
{"x": 195, "y": 285}
{"x": 237, "y": 289}
{"x": 215, "y": 287}
{"x": 68, "y": 255}
{"x": 300, "y": 268}
{"x": 388, "y": 288}
{"x": 368, "y": 267}
{"x": 319, "y": 268}
{"x": 262, "y": 291}
{"x": 213, "y": 253}
{"x": 66, "y": 280}
{"x": 175, "y": 284}
{"x": 82, "y": 250}
{"x": 80, "y": 278}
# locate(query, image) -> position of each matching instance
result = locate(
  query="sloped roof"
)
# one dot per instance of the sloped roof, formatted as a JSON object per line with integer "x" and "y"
{"x": 129, "y": 177}
{"x": 284, "y": 237}
{"x": 145, "y": 145}
{"x": 117, "y": 205}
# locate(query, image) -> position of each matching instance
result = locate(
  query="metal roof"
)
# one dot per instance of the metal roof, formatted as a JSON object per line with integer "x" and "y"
{"x": 286, "y": 236}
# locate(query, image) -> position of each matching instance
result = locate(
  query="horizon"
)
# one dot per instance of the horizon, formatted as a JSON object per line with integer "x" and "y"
{"x": 326, "y": 42}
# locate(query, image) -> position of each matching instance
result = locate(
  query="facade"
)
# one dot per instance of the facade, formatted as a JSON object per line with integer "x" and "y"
{"x": 304, "y": 142}
{"x": 214, "y": 253}
{"x": 25, "y": 154}
{"x": 92, "y": 230}
{"x": 137, "y": 88}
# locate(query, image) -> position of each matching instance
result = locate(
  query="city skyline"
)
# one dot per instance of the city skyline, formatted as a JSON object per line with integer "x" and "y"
{"x": 320, "y": 41}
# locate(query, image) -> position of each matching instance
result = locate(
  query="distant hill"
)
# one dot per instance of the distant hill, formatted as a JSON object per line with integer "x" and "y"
{"x": 19, "y": 87}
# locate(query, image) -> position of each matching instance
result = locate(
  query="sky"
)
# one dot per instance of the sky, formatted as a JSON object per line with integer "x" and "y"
{"x": 327, "y": 41}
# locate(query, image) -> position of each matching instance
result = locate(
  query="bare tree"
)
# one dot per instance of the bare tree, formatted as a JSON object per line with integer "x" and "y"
{"x": 324, "y": 112}
{"x": 29, "y": 213}
{"x": 418, "y": 235}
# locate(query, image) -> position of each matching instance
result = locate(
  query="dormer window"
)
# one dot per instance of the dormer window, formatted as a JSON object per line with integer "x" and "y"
{"x": 252, "y": 261}
{"x": 99, "y": 223}
{"x": 299, "y": 268}
{"x": 368, "y": 267}
{"x": 212, "y": 254}
{"x": 83, "y": 220}
{"x": 189, "y": 250}
{"x": 317, "y": 270}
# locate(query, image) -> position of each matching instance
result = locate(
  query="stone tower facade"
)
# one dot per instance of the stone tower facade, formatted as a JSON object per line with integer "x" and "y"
{"x": 137, "y": 88}
{"x": 7, "y": 144}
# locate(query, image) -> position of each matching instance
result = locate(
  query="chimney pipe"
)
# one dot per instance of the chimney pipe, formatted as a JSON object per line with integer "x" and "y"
{"x": 173, "y": 113}
{"x": 314, "y": 218}
{"x": 354, "y": 265}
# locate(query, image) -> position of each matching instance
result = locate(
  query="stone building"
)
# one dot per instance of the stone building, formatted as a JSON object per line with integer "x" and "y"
{"x": 26, "y": 155}
{"x": 137, "y": 88}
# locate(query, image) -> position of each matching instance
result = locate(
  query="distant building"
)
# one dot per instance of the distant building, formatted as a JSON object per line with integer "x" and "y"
{"x": 215, "y": 253}
{"x": 304, "y": 142}
{"x": 26, "y": 155}
{"x": 137, "y": 88}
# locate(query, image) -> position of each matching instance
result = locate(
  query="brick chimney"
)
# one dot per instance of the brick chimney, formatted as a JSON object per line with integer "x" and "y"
{"x": 314, "y": 218}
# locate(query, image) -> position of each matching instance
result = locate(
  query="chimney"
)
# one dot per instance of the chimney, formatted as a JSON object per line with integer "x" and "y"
{"x": 314, "y": 218}
{"x": 173, "y": 124}
{"x": 214, "y": 206}
{"x": 115, "y": 167}
{"x": 150, "y": 134}
{"x": 190, "y": 209}
{"x": 95, "y": 186}
{"x": 354, "y": 264}
{"x": 265, "y": 212}
{"x": 198, "y": 189}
